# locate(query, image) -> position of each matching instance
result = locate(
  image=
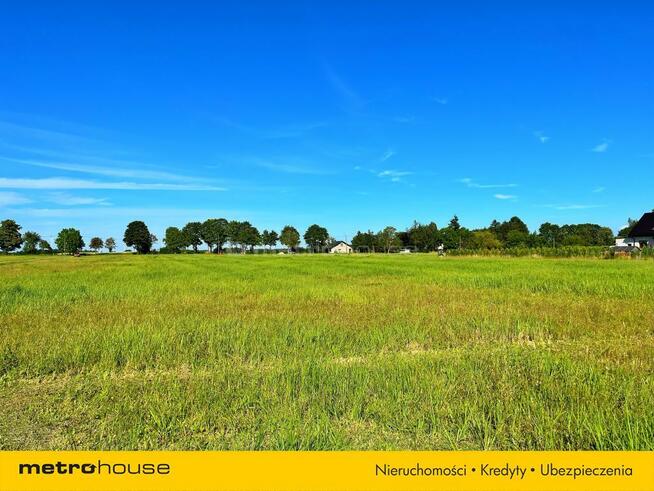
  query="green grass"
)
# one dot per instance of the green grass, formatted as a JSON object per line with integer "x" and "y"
{"x": 324, "y": 352}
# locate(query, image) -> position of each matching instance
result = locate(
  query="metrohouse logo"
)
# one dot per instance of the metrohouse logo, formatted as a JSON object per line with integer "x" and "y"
{"x": 99, "y": 468}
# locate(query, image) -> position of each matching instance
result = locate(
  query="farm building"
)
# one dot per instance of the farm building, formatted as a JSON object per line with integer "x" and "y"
{"x": 340, "y": 247}
{"x": 642, "y": 235}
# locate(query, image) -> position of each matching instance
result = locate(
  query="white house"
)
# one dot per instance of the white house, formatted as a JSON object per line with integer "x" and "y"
{"x": 642, "y": 234}
{"x": 340, "y": 247}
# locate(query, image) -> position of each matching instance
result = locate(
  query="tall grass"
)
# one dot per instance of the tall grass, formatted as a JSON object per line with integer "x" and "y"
{"x": 324, "y": 352}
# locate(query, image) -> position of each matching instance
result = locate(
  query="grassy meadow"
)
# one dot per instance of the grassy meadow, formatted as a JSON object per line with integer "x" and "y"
{"x": 323, "y": 352}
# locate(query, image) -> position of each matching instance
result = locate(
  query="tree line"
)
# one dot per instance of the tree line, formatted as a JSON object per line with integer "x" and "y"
{"x": 218, "y": 234}
{"x": 511, "y": 233}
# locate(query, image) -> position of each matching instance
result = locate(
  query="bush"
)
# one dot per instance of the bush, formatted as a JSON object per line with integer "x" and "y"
{"x": 565, "y": 251}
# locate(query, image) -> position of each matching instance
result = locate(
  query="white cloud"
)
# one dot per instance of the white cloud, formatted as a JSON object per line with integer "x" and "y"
{"x": 393, "y": 173}
{"x": 599, "y": 189}
{"x": 44, "y": 135}
{"x": 106, "y": 212}
{"x": 387, "y": 155}
{"x": 472, "y": 184}
{"x": 504, "y": 196}
{"x": 65, "y": 183}
{"x": 66, "y": 199}
{"x": 541, "y": 136}
{"x": 601, "y": 148}
{"x": 342, "y": 88}
{"x": 10, "y": 199}
{"x": 113, "y": 171}
{"x": 289, "y": 166}
{"x": 440, "y": 100}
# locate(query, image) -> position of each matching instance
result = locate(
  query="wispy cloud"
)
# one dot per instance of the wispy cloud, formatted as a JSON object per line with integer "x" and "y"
{"x": 65, "y": 183}
{"x": 66, "y": 199}
{"x": 393, "y": 175}
{"x": 505, "y": 196}
{"x": 602, "y": 147}
{"x": 55, "y": 137}
{"x": 114, "y": 171}
{"x": 541, "y": 136}
{"x": 342, "y": 88}
{"x": 387, "y": 155}
{"x": 472, "y": 184}
{"x": 121, "y": 212}
{"x": 440, "y": 100}
{"x": 284, "y": 131}
{"x": 599, "y": 189}
{"x": 10, "y": 198}
{"x": 288, "y": 166}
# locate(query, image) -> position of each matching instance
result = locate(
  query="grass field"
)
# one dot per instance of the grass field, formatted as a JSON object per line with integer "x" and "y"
{"x": 322, "y": 352}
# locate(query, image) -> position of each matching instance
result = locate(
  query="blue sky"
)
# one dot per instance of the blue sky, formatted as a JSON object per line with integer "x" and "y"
{"x": 353, "y": 115}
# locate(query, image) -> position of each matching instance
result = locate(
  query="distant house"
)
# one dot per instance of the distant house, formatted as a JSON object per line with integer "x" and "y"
{"x": 340, "y": 247}
{"x": 642, "y": 234}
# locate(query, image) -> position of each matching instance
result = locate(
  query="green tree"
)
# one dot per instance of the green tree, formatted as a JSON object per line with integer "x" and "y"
{"x": 10, "y": 238}
{"x": 273, "y": 238}
{"x": 449, "y": 238}
{"x": 516, "y": 238}
{"x": 514, "y": 224}
{"x": 215, "y": 232}
{"x": 234, "y": 234}
{"x": 44, "y": 246}
{"x": 290, "y": 237}
{"x": 69, "y": 241}
{"x": 587, "y": 234}
{"x": 365, "y": 241}
{"x": 454, "y": 236}
{"x": 30, "y": 242}
{"x": 388, "y": 239}
{"x": 265, "y": 236}
{"x": 175, "y": 239}
{"x": 625, "y": 231}
{"x": 249, "y": 235}
{"x": 243, "y": 235}
{"x": 138, "y": 236}
{"x": 485, "y": 239}
{"x": 424, "y": 237}
{"x": 96, "y": 244}
{"x": 193, "y": 233}
{"x": 110, "y": 244}
{"x": 550, "y": 234}
{"x": 494, "y": 228}
{"x": 316, "y": 237}
{"x": 269, "y": 238}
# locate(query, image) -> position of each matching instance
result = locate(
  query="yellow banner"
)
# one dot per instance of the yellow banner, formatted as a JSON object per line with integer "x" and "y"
{"x": 326, "y": 471}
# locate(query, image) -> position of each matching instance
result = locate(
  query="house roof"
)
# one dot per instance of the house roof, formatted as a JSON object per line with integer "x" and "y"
{"x": 338, "y": 243}
{"x": 644, "y": 227}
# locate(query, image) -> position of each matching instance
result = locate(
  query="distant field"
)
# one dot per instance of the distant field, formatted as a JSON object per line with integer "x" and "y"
{"x": 324, "y": 352}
